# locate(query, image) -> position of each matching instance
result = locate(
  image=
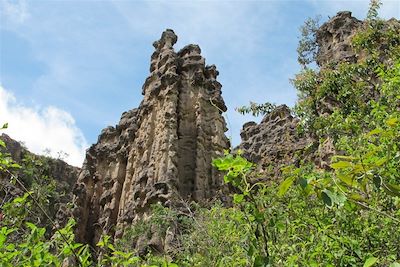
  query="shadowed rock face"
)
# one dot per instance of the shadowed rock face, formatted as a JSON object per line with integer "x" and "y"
{"x": 334, "y": 39}
{"x": 273, "y": 142}
{"x": 159, "y": 152}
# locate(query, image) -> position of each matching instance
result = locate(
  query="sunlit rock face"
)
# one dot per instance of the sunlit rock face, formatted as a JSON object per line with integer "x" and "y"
{"x": 158, "y": 153}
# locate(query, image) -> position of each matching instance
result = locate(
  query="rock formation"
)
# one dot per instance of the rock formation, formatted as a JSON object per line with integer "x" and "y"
{"x": 273, "y": 142}
{"x": 159, "y": 152}
{"x": 334, "y": 39}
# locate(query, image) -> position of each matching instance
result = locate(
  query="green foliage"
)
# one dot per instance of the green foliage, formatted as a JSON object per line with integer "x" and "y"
{"x": 219, "y": 237}
{"x": 307, "y": 48}
{"x": 237, "y": 173}
{"x": 256, "y": 109}
{"x": 299, "y": 230}
{"x": 6, "y": 162}
{"x": 355, "y": 105}
{"x": 374, "y": 6}
{"x": 35, "y": 250}
{"x": 114, "y": 257}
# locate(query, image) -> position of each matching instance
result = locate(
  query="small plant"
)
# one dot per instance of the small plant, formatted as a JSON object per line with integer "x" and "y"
{"x": 256, "y": 109}
{"x": 307, "y": 48}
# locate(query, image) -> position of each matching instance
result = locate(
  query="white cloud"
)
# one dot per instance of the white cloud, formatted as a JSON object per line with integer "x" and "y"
{"x": 218, "y": 27}
{"x": 42, "y": 128}
{"x": 14, "y": 12}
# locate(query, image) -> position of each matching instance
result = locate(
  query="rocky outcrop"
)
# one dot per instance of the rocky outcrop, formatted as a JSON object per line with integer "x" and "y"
{"x": 334, "y": 39}
{"x": 273, "y": 142}
{"x": 158, "y": 153}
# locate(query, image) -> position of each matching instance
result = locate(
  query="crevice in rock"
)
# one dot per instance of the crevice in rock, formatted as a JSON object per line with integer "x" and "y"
{"x": 187, "y": 142}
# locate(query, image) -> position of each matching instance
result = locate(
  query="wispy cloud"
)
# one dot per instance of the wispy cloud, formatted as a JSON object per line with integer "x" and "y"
{"x": 14, "y": 12}
{"x": 220, "y": 25}
{"x": 41, "y": 129}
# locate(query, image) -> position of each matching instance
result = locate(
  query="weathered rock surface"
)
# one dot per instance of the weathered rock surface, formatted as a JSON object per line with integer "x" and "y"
{"x": 159, "y": 152}
{"x": 334, "y": 39}
{"x": 273, "y": 142}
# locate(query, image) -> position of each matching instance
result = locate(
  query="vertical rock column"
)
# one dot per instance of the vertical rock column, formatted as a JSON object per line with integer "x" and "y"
{"x": 160, "y": 152}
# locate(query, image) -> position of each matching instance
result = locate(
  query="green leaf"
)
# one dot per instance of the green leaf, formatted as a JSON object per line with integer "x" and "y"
{"x": 380, "y": 162}
{"x": 370, "y": 261}
{"x": 392, "y": 189}
{"x": 238, "y": 198}
{"x": 10, "y": 247}
{"x": 343, "y": 157}
{"x": 394, "y": 264}
{"x": 392, "y": 122}
{"x": 346, "y": 179}
{"x": 302, "y": 182}
{"x": 341, "y": 165}
{"x": 5, "y": 126}
{"x": 357, "y": 197}
{"x": 15, "y": 165}
{"x": 326, "y": 198}
{"x": 261, "y": 261}
{"x": 285, "y": 185}
{"x": 375, "y": 131}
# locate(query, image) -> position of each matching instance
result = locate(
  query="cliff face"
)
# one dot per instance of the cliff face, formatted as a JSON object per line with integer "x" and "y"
{"x": 159, "y": 152}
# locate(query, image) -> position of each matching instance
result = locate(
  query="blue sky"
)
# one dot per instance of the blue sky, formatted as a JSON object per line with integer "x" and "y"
{"x": 70, "y": 68}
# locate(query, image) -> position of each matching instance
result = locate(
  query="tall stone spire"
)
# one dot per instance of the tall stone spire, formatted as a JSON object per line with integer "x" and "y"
{"x": 159, "y": 152}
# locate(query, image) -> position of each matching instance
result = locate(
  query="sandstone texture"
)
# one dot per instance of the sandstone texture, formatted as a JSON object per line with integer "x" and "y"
{"x": 158, "y": 153}
{"x": 273, "y": 142}
{"x": 334, "y": 39}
